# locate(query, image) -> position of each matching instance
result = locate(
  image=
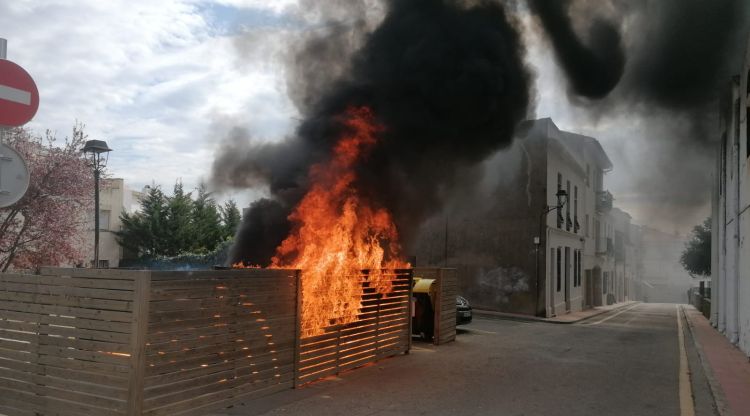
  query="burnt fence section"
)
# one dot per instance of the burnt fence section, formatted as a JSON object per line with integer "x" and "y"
{"x": 124, "y": 342}
{"x": 383, "y": 329}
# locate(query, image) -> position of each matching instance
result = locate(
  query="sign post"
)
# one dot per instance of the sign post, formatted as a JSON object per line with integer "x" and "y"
{"x": 19, "y": 101}
{"x": 3, "y": 56}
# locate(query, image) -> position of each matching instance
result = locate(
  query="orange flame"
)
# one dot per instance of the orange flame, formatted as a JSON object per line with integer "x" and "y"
{"x": 337, "y": 234}
{"x": 241, "y": 265}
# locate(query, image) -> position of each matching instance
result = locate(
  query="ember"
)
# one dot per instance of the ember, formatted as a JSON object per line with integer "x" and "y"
{"x": 337, "y": 234}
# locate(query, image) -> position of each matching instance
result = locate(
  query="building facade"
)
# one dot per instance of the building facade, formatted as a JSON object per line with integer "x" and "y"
{"x": 114, "y": 199}
{"x": 730, "y": 266}
{"x": 511, "y": 256}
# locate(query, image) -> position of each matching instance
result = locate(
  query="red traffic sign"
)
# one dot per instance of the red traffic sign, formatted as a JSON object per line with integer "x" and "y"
{"x": 19, "y": 97}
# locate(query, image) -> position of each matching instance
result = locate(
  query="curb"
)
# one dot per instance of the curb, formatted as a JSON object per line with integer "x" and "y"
{"x": 718, "y": 394}
{"x": 528, "y": 318}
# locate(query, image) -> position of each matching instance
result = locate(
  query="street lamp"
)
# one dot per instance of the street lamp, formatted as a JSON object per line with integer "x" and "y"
{"x": 93, "y": 150}
{"x": 562, "y": 199}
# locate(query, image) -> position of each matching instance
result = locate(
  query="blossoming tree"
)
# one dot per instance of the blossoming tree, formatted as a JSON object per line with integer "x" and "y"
{"x": 47, "y": 226}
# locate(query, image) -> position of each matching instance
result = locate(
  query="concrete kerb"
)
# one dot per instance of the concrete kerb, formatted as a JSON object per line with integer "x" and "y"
{"x": 718, "y": 394}
{"x": 528, "y": 318}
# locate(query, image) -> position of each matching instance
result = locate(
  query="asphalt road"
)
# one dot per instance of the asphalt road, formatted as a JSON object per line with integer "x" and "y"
{"x": 624, "y": 362}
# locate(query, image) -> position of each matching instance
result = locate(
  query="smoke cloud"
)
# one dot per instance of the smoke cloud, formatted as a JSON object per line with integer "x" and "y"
{"x": 595, "y": 68}
{"x": 446, "y": 79}
{"x": 680, "y": 57}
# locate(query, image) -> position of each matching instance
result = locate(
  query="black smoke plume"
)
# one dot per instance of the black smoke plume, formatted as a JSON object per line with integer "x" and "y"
{"x": 448, "y": 82}
{"x": 680, "y": 57}
{"x": 680, "y": 52}
{"x": 593, "y": 68}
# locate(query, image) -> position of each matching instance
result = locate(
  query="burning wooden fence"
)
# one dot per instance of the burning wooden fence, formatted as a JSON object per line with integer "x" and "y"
{"x": 115, "y": 342}
{"x": 382, "y": 330}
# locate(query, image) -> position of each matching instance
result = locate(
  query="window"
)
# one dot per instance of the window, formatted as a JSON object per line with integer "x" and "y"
{"x": 552, "y": 265}
{"x": 737, "y": 122}
{"x": 575, "y": 268}
{"x": 559, "y": 212}
{"x": 559, "y": 269}
{"x": 104, "y": 219}
{"x": 606, "y": 282}
{"x": 567, "y": 268}
{"x": 576, "y": 226}
{"x": 104, "y": 264}
{"x": 586, "y": 226}
{"x": 568, "y": 222}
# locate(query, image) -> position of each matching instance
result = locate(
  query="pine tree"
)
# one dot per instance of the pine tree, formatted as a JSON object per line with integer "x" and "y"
{"x": 230, "y": 217}
{"x": 180, "y": 228}
{"x": 144, "y": 232}
{"x": 207, "y": 222}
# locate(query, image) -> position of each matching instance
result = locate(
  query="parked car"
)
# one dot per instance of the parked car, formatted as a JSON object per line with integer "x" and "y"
{"x": 463, "y": 311}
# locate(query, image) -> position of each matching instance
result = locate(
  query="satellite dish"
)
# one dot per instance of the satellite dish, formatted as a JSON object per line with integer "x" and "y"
{"x": 14, "y": 176}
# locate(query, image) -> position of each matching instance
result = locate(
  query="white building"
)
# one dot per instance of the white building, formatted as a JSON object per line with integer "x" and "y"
{"x": 114, "y": 199}
{"x": 576, "y": 164}
{"x": 730, "y": 266}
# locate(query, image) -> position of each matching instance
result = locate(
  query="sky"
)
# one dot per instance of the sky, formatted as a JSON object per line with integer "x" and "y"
{"x": 163, "y": 82}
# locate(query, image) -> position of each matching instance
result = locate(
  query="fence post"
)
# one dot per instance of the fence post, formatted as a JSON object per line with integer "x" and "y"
{"x": 438, "y": 308}
{"x": 141, "y": 299}
{"x": 410, "y": 313}
{"x": 297, "y": 328}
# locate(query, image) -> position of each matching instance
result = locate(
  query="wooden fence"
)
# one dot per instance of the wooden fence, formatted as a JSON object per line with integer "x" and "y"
{"x": 383, "y": 330}
{"x": 445, "y": 302}
{"x": 115, "y": 342}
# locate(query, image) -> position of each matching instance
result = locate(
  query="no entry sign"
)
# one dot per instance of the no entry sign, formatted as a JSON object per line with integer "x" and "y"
{"x": 19, "y": 97}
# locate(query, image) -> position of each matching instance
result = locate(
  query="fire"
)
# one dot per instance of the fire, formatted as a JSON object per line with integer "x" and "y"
{"x": 337, "y": 234}
{"x": 241, "y": 265}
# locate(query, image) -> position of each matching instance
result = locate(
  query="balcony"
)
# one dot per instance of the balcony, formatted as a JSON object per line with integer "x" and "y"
{"x": 603, "y": 201}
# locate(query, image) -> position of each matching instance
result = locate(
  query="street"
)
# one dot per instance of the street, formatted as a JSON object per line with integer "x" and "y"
{"x": 624, "y": 362}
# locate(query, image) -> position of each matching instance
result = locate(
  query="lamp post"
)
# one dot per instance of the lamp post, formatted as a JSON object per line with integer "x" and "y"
{"x": 562, "y": 199}
{"x": 93, "y": 150}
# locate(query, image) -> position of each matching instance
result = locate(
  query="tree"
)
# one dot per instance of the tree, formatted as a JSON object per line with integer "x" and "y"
{"x": 168, "y": 226}
{"x": 696, "y": 258}
{"x": 207, "y": 222}
{"x": 180, "y": 227}
{"x": 145, "y": 232}
{"x": 47, "y": 226}
{"x": 231, "y": 218}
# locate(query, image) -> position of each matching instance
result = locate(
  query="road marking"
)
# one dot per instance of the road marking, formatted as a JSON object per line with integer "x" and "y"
{"x": 612, "y": 316}
{"x": 15, "y": 95}
{"x": 686, "y": 390}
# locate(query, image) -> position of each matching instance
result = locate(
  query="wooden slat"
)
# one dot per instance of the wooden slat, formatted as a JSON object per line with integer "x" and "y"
{"x": 63, "y": 300}
{"x": 97, "y": 283}
{"x": 84, "y": 292}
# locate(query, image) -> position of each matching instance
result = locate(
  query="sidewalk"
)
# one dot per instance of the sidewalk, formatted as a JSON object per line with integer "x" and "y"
{"x": 726, "y": 367}
{"x": 568, "y": 318}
